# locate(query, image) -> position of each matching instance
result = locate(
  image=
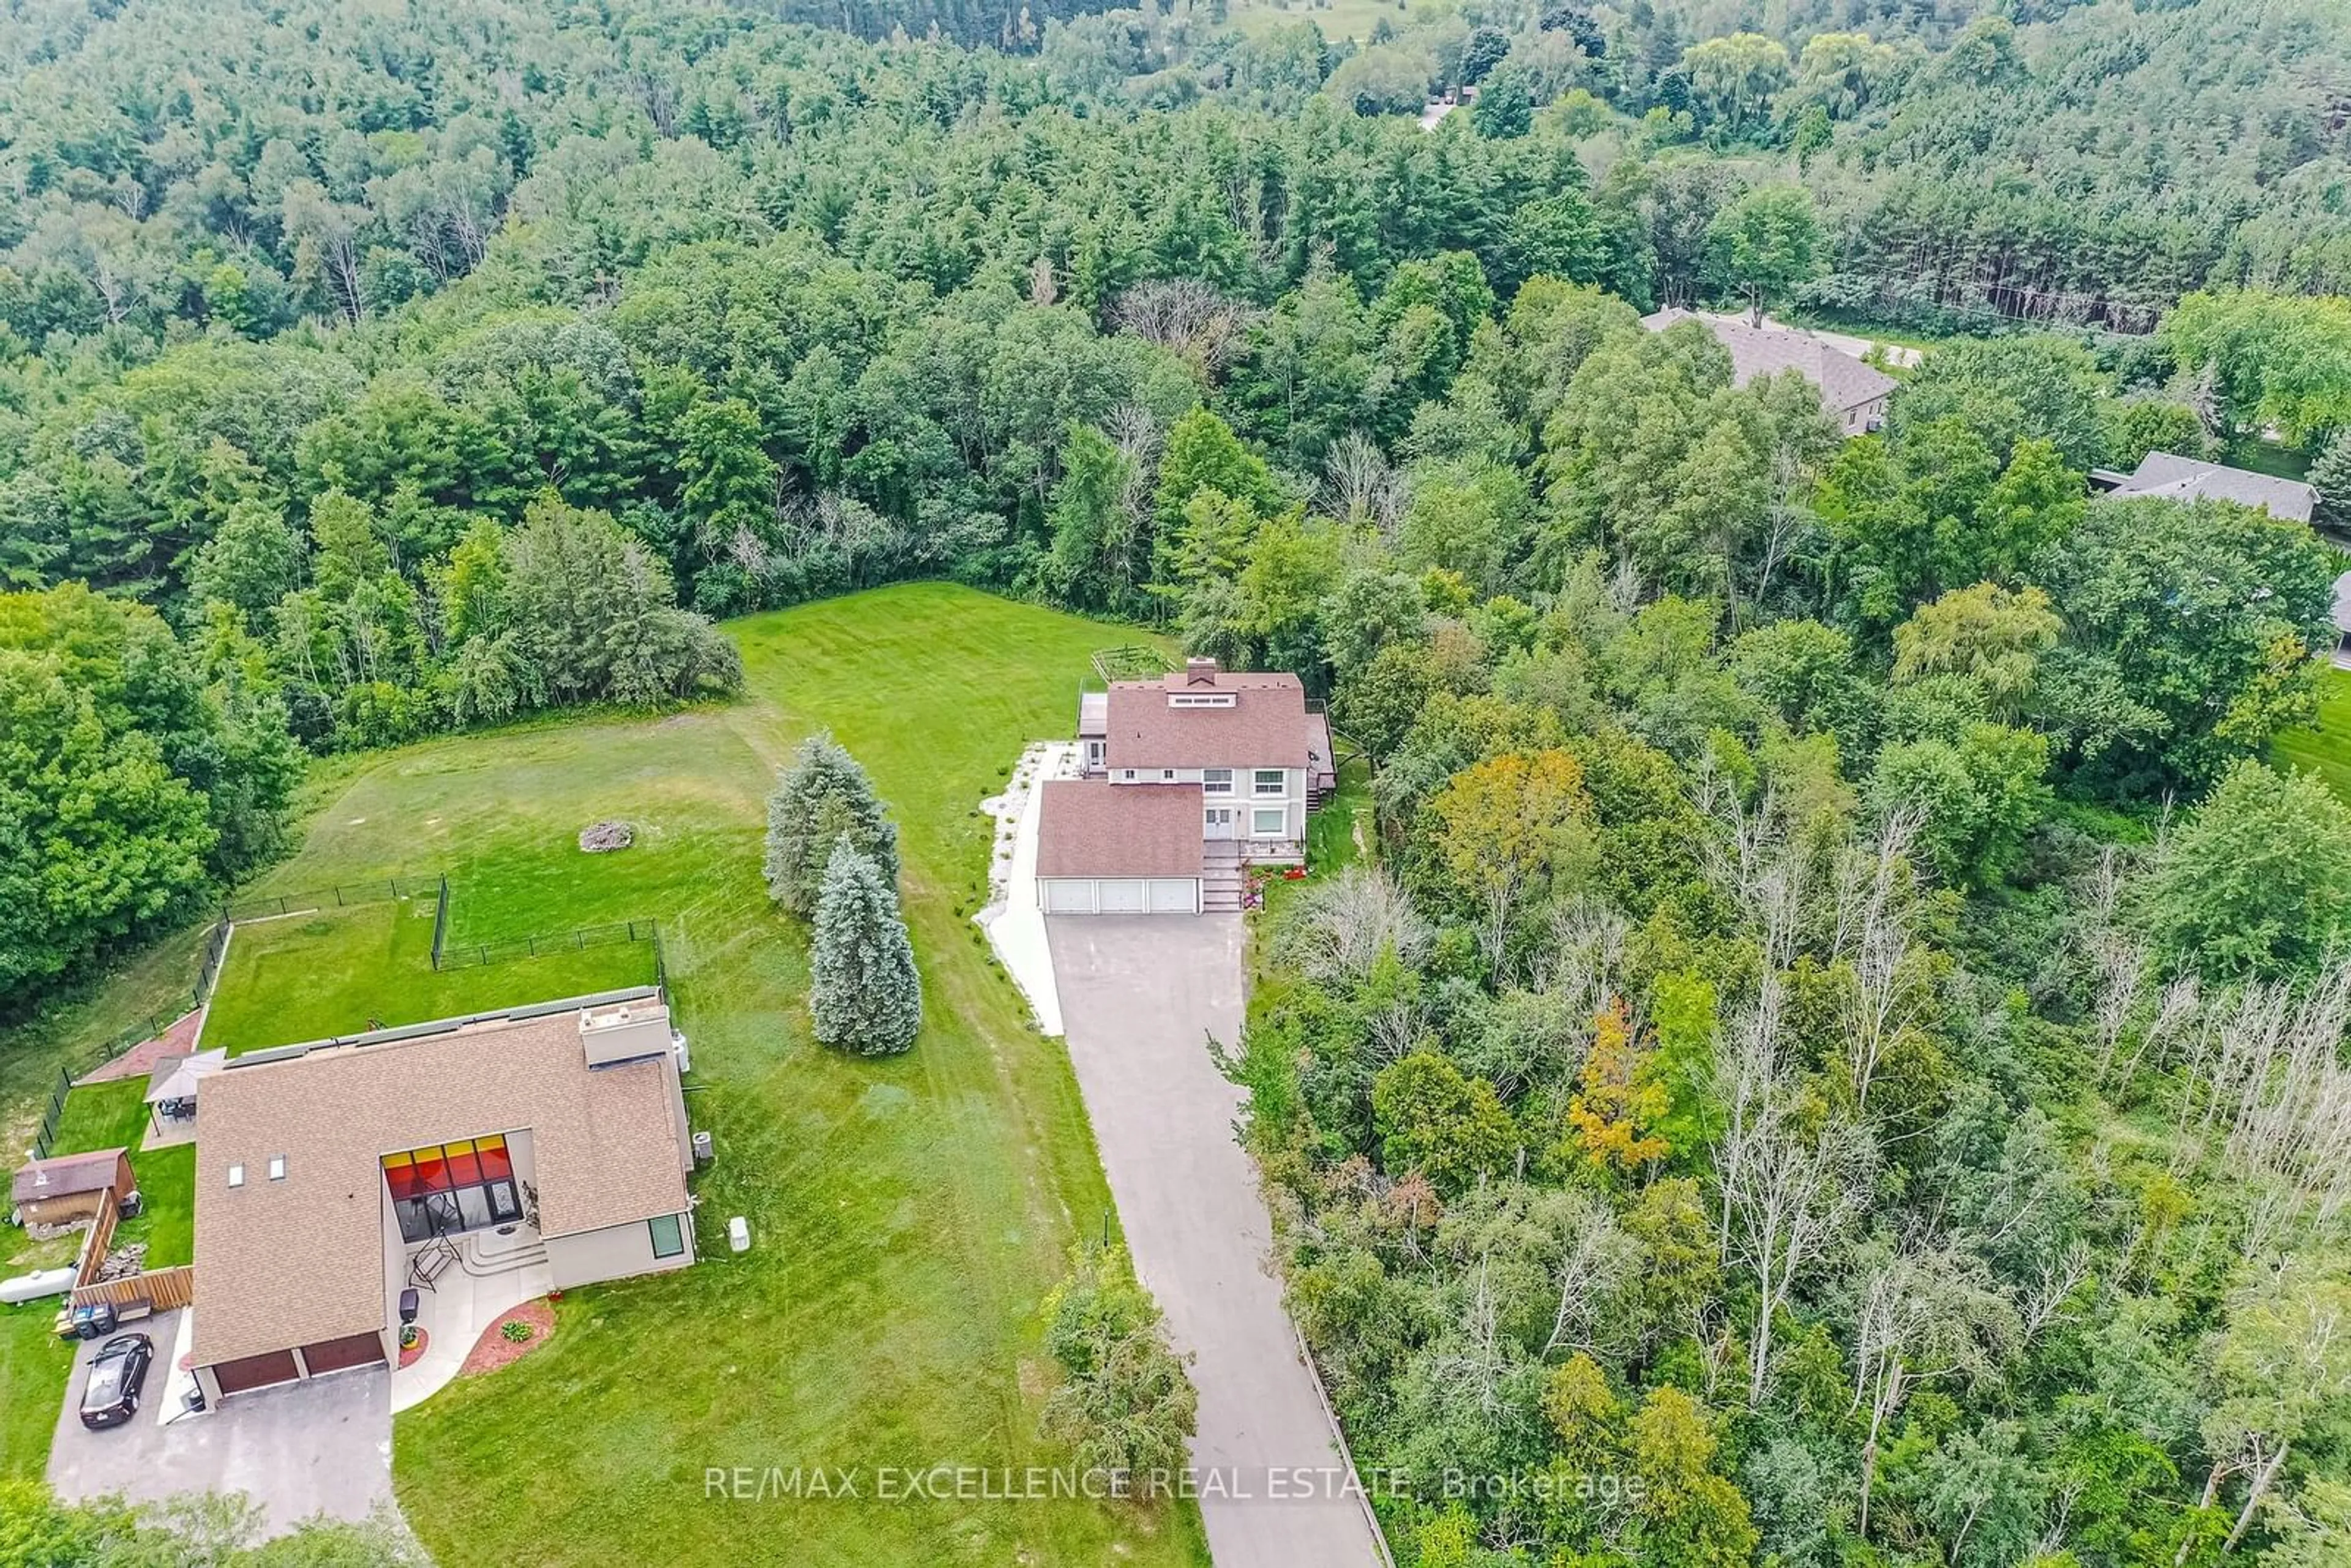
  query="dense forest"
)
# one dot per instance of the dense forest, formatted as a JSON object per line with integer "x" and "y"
{"x": 1834, "y": 1054}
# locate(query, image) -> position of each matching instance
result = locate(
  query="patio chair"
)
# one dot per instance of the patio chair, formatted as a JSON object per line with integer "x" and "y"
{"x": 430, "y": 1261}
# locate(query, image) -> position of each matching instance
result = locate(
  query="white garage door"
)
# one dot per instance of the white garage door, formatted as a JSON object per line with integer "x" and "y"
{"x": 1175, "y": 896}
{"x": 1067, "y": 895}
{"x": 1123, "y": 896}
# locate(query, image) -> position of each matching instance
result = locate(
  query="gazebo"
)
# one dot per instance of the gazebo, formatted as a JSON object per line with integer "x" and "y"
{"x": 172, "y": 1092}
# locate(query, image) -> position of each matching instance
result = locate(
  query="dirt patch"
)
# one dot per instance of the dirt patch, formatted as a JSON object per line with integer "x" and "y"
{"x": 495, "y": 1350}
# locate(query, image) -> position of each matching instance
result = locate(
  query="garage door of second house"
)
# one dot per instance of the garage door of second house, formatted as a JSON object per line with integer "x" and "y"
{"x": 341, "y": 1354}
{"x": 256, "y": 1372}
{"x": 1120, "y": 895}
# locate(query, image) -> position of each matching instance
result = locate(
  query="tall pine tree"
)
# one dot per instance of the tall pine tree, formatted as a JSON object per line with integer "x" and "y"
{"x": 864, "y": 993}
{"x": 821, "y": 801}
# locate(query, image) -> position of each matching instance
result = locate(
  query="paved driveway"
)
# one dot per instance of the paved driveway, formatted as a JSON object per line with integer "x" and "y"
{"x": 308, "y": 1447}
{"x": 1139, "y": 996}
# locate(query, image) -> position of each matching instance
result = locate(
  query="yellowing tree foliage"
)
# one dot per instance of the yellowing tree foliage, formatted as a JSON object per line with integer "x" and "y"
{"x": 1622, "y": 1099}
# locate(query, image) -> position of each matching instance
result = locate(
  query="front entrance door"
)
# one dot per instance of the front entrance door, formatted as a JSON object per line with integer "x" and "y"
{"x": 1220, "y": 822}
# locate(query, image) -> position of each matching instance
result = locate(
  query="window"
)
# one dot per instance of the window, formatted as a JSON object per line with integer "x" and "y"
{"x": 1268, "y": 781}
{"x": 466, "y": 1185}
{"x": 669, "y": 1238}
{"x": 1215, "y": 780}
{"x": 1198, "y": 699}
{"x": 278, "y": 1167}
{"x": 1268, "y": 821}
{"x": 237, "y": 1176}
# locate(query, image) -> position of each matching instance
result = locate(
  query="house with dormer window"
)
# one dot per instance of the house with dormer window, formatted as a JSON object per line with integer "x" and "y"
{"x": 1187, "y": 778}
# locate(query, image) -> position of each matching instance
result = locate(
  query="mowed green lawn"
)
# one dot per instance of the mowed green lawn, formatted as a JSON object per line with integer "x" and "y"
{"x": 304, "y": 976}
{"x": 908, "y": 1216}
{"x": 114, "y": 1115}
{"x": 2324, "y": 747}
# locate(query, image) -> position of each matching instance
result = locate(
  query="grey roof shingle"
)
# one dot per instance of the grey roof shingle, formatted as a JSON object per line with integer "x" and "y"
{"x": 2172, "y": 478}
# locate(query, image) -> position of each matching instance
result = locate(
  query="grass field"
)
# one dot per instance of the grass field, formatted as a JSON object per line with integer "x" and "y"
{"x": 305, "y": 977}
{"x": 114, "y": 1115}
{"x": 2324, "y": 747}
{"x": 908, "y": 1216}
{"x": 1338, "y": 18}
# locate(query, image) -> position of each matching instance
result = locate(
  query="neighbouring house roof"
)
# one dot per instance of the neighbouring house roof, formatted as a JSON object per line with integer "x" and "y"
{"x": 1091, "y": 826}
{"x": 1846, "y": 382}
{"x": 1265, "y": 728}
{"x": 64, "y": 1175}
{"x": 176, "y": 1077}
{"x": 302, "y": 1259}
{"x": 1093, "y": 715}
{"x": 2343, "y": 604}
{"x": 2176, "y": 478}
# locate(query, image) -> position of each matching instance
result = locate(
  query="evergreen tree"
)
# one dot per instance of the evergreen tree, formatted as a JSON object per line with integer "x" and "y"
{"x": 864, "y": 993}
{"x": 822, "y": 799}
{"x": 2330, "y": 475}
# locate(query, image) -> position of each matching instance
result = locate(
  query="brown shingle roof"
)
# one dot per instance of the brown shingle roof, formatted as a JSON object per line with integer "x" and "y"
{"x": 293, "y": 1262}
{"x": 1265, "y": 728}
{"x": 62, "y": 1175}
{"x": 1844, "y": 381}
{"x": 1091, "y": 826}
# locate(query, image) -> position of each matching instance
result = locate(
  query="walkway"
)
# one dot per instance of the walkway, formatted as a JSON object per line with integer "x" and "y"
{"x": 179, "y": 1039}
{"x": 1141, "y": 995}
{"x": 1013, "y": 922}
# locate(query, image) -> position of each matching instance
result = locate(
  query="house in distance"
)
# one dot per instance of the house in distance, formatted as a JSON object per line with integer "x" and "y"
{"x": 1187, "y": 778}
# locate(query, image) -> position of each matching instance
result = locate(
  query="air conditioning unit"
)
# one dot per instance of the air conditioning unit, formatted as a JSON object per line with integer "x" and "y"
{"x": 133, "y": 1202}
{"x": 701, "y": 1151}
{"x": 677, "y": 1048}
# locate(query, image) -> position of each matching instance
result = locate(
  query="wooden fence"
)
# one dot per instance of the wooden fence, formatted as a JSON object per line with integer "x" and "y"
{"x": 98, "y": 1238}
{"x": 163, "y": 1289}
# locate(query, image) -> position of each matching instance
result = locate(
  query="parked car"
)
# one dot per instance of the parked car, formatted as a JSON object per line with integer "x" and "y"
{"x": 117, "y": 1373}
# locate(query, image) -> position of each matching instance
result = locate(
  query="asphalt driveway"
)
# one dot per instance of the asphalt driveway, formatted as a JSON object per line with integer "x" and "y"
{"x": 310, "y": 1447}
{"x": 1140, "y": 996}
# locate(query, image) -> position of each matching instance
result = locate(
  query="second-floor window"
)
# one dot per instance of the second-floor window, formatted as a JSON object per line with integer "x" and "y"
{"x": 1215, "y": 780}
{"x": 1268, "y": 781}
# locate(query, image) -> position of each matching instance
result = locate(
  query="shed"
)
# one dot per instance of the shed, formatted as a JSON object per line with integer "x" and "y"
{"x": 66, "y": 1190}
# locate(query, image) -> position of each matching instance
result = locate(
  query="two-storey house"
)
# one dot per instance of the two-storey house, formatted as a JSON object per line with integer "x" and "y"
{"x": 1186, "y": 780}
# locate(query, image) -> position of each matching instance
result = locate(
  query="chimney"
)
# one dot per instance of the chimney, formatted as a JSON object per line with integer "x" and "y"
{"x": 1199, "y": 672}
{"x": 629, "y": 1033}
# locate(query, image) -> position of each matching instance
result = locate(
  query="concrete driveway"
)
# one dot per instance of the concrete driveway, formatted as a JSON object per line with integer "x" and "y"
{"x": 321, "y": 1447}
{"x": 1140, "y": 995}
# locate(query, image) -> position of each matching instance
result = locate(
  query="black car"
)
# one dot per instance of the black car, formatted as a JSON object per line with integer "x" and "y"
{"x": 116, "y": 1376}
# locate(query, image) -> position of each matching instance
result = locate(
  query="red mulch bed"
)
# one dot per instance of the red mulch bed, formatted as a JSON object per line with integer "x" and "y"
{"x": 493, "y": 1350}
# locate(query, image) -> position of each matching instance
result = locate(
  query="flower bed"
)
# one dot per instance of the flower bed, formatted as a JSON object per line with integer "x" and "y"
{"x": 495, "y": 1349}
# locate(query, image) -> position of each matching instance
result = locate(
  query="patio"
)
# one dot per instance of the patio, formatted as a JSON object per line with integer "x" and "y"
{"x": 492, "y": 1273}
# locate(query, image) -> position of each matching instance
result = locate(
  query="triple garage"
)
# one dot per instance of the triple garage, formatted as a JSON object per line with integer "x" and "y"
{"x": 1120, "y": 896}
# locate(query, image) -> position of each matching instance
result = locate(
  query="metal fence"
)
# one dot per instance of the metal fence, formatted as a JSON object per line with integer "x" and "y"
{"x": 342, "y": 895}
{"x": 507, "y": 949}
